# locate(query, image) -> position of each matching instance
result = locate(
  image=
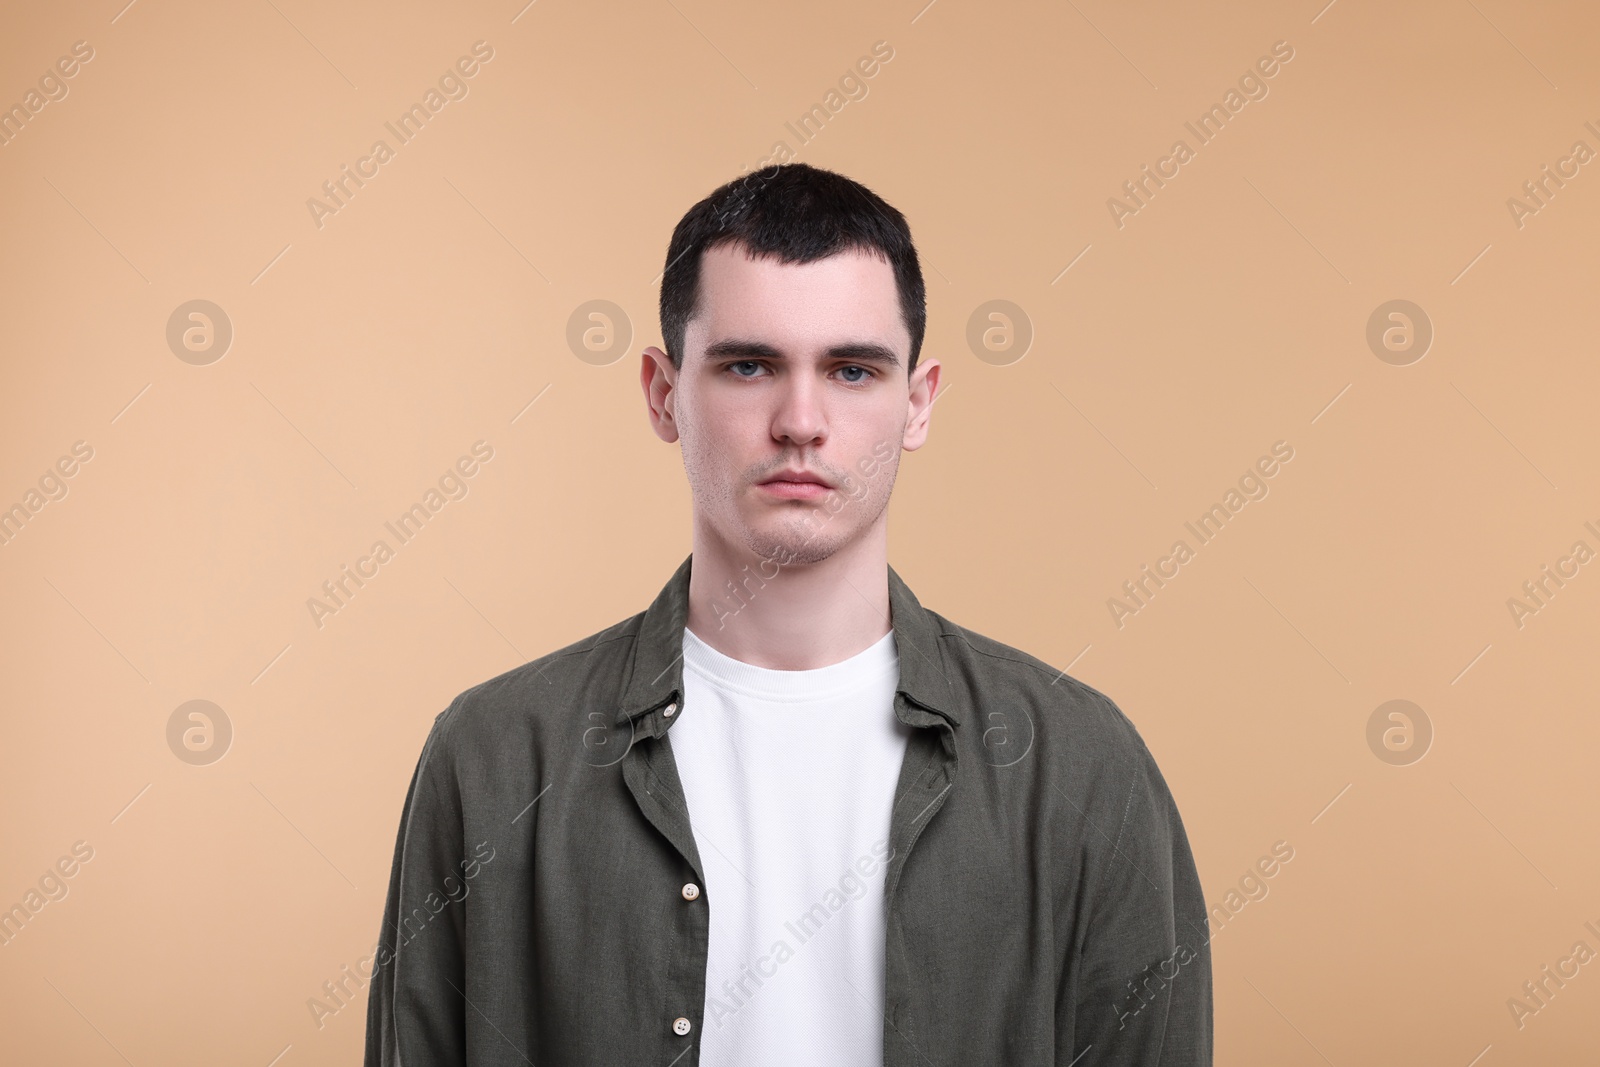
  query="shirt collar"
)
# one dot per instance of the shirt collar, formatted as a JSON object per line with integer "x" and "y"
{"x": 655, "y": 677}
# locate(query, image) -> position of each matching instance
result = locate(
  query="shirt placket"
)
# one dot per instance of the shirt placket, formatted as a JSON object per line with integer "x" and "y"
{"x": 927, "y": 776}
{"x": 652, "y": 777}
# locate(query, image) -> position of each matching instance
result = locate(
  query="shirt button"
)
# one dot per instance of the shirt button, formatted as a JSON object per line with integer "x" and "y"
{"x": 690, "y": 891}
{"x": 670, "y": 709}
{"x": 680, "y": 1026}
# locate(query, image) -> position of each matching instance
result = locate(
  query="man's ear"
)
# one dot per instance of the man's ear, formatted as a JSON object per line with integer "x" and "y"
{"x": 658, "y": 377}
{"x": 924, "y": 391}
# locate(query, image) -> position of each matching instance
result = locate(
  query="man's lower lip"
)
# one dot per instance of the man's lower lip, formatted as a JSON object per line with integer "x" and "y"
{"x": 795, "y": 490}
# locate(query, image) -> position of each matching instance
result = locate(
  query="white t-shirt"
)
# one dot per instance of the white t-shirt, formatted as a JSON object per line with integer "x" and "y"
{"x": 789, "y": 778}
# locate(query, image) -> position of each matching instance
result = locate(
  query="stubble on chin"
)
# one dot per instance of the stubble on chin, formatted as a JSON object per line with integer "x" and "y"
{"x": 815, "y": 534}
{"x": 800, "y": 544}
{"x": 792, "y": 535}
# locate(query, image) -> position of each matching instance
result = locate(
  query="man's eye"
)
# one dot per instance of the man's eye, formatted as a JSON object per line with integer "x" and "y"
{"x": 861, "y": 374}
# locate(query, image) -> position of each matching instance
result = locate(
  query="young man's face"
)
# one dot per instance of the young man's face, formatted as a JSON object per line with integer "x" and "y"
{"x": 792, "y": 367}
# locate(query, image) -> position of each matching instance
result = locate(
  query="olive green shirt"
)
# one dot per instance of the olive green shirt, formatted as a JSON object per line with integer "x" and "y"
{"x": 546, "y": 903}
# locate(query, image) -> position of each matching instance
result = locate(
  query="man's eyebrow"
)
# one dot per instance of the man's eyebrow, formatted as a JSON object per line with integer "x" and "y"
{"x": 861, "y": 351}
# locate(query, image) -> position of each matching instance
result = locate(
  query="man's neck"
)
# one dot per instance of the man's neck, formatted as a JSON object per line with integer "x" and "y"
{"x": 795, "y": 617}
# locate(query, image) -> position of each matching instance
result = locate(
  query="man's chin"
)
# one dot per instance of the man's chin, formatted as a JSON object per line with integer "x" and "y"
{"x": 786, "y": 548}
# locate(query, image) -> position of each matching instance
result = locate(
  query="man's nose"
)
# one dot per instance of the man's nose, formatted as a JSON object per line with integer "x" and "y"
{"x": 799, "y": 416}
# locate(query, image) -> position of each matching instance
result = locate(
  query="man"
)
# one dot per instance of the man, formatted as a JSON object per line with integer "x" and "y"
{"x": 787, "y": 815}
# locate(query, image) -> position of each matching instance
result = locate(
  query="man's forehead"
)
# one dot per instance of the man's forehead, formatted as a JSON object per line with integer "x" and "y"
{"x": 848, "y": 295}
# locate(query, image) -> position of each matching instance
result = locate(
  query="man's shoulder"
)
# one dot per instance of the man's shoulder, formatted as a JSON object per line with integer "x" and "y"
{"x": 1023, "y": 709}
{"x": 1059, "y": 707}
{"x": 568, "y": 682}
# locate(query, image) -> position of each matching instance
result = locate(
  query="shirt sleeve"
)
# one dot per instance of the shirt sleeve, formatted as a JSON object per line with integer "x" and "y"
{"x": 1143, "y": 994}
{"x": 416, "y": 1005}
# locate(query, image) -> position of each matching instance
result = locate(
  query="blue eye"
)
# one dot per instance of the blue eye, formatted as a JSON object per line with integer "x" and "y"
{"x": 865, "y": 374}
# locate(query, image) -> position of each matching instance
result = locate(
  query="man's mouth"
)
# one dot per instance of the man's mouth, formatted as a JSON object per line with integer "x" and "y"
{"x": 796, "y": 485}
{"x": 799, "y": 477}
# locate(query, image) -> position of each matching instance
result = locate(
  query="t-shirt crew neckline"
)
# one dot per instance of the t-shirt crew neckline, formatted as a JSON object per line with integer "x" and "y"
{"x": 766, "y": 683}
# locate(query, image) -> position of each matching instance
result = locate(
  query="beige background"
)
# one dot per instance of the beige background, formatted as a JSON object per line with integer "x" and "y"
{"x": 368, "y": 354}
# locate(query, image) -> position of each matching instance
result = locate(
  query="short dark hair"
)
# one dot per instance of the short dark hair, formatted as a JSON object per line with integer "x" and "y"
{"x": 796, "y": 213}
